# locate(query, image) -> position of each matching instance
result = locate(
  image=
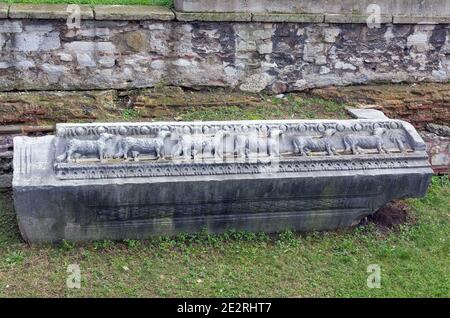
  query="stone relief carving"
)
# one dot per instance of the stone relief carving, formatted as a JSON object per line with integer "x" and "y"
{"x": 399, "y": 140}
{"x": 199, "y": 148}
{"x": 191, "y": 146}
{"x": 138, "y": 146}
{"x": 85, "y": 147}
{"x": 251, "y": 142}
{"x": 355, "y": 143}
{"x": 273, "y": 143}
{"x": 216, "y": 144}
{"x": 241, "y": 145}
{"x": 102, "y": 197}
{"x": 305, "y": 145}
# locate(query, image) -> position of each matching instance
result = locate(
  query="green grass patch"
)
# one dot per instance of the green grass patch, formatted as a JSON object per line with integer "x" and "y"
{"x": 413, "y": 258}
{"x": 166, "y": 3}
{"x": 129, "y": 114}
{"x": 289, "y": 107}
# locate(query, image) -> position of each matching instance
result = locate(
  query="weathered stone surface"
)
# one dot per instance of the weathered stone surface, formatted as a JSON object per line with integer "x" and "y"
{"x": 257, "y": 176}
{"x": 46, "y": 11}
{"x": 370, "y": 19}
{"x": 437, "y": 139}
{"x": 338, "y": 17}
{"x": 421, "y": 19}
{"x": 6, "y": 157}
{"x": 286, "y": 17}
{"x": 357, "y": 7}
{"x": 213, "y": 16}
{"x": 366, "y": 113}
{"x": 132, "y": 12}
{"x": 5, "y": 181}
{"x": 3, "y": 10}
{"x": 36, "y": 41}
{"x": 354, "y": 18}
{"x": 255, "y": 83}
{"x": 440, "y": 130}
{"x": 439, "y": 151}
{"x": 7, "y": 26}
{"x": 5, "y": 161}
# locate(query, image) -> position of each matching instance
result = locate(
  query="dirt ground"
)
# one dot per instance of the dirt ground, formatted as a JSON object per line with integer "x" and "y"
{"x": 417, "y": 103}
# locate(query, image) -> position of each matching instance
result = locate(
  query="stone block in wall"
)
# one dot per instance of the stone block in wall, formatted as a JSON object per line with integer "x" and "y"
{"x": 134, "y": 12}
{"x": 5, "y": 181}
{"x": 8, "y": 26}
{"x": 213, "y": 16}
{"x": 6, "y": 159}
{"x": 286, "y": 17}
{"x": 353, "y": 18}
{"x": 3, "y": 10}
{"x": 36, "y": 41}
{"x": 46, "y": 11}
{"x": 420, "y": 19}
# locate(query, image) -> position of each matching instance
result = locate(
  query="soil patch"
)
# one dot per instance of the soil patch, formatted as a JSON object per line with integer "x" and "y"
{"x": 392, "y": 214}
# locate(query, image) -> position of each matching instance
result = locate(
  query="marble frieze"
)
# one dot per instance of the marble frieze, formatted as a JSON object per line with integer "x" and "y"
{"x": 135, "y": 180}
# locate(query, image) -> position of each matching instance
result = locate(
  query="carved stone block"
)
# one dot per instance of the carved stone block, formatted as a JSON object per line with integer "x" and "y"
{"x": 135, "y": 180}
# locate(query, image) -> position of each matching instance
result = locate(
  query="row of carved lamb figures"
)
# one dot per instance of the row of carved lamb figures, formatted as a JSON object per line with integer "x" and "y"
{"x": 190, "y": 146}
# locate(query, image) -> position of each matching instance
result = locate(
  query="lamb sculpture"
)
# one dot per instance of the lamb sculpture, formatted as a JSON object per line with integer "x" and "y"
{"x": 355, "y": 143}
{"x": 191, "y": 145}
{"x": 304, "y": 145}
{"x": 137, "y": 146}
{"x": 85, "y": 147}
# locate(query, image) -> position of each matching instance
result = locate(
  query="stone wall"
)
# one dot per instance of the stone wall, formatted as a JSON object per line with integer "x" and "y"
{"x": 6, "y": 157}
{"x": 438, "y": 150}
{"x": 114, "y": 50}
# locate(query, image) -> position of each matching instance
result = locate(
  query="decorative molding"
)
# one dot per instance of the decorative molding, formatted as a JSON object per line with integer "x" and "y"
{"x": 98, "y": 151}
{"x": 144, "y": 129}
{"x": 169, "y": 169}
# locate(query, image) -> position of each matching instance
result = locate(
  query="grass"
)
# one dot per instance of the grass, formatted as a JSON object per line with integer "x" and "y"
{"x": 166, "y": 3}
{"x": 413, "y": 258}
{"x": 292, "y": 106}
{"x": 129, "y": 114}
